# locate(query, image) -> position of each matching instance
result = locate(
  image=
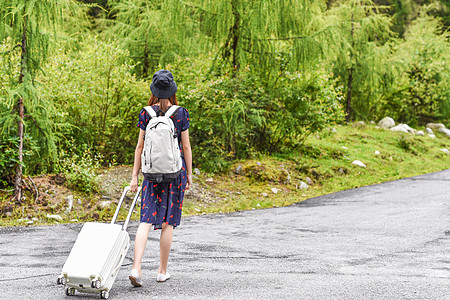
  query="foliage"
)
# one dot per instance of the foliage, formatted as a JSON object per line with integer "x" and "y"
{"x": 98, "y": 97}
{"x": 237, "y": 117}
{"x": 79, "y": 170}
{"x": 421, "y": 94}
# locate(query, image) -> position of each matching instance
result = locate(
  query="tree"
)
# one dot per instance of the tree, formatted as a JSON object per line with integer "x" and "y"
{"x": 362, "y": 62}
{"x": 26, "y": 26}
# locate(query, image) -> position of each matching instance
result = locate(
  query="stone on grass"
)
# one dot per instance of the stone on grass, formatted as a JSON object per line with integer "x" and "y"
{"x": 197, "y": 171}
{"x": 303, "y": 185}
{"x": 288, "y": 178}
{"x": 35, "y": 219}
{"x": 445, "y": 150}
{"x": 358, "y": 163}
{"x": 359, "y": 124}
{"x": 258, "y": 164}
{"x": 265, "y": 195}
{"x": 258, "y": 205}
{"x": 386, "y": 123}
{"x": 420, "y": 132}
{"x": 105, "y": 204}
{"x": 69, "y": 200}
{"x": 445, "y": 131}
{"x": 372, "y": 122}
{"x": 429, "y": 130}
{"x": 22, "y": 220}
{"x": 308, "y": 180}
{"x": 30, "y": 222}
{"x": 8, "y": 214}
{"x": 431, "y": 135}
{"x": 377, "y": 152}
{"x": 209, "y": 180}
{"x": 403, "y": 128}
{"x": 274, "y": 190}
{"x": 435, "y": 125}
{"x": 74, "y": 220}
{"x": 55, "y": 217}
{"x": 343, "y": 147}
{"x": 333, "y": 130}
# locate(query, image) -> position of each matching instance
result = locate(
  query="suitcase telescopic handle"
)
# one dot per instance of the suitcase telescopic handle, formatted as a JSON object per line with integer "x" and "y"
{"x": 130, "y": 212}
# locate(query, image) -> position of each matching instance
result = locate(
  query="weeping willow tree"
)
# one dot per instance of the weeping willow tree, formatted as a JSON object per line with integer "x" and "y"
{"x": 26, "y": 29}
{"x": 363, "y": 61}
{"x": 267, "y": 36}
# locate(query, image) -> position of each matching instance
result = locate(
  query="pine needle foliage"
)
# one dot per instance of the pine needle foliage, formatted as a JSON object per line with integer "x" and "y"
{"x": 26, "y": 28}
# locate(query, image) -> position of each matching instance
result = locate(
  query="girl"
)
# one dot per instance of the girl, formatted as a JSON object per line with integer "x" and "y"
{"x": 155, "y": 208}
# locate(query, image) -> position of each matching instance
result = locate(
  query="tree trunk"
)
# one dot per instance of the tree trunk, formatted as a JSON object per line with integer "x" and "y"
{"x": 350, "y": 78}
{"x": 18, "y": 191}
{"x": 235, "y": 36}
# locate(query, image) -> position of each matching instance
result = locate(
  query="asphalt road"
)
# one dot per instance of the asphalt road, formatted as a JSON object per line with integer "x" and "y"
{"x": 387, "y": 241}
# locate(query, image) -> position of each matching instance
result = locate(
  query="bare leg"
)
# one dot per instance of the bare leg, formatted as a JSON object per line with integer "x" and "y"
{"x": 165, "y": 243}
{"x": 139, "y": 245}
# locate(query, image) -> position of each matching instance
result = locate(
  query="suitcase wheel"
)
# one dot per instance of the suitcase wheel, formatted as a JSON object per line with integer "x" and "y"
{"x": 96, "y": 284}
{"x": 104, "y": 294}
{"x": 61, "y": 280}
{"x": 70, "y": 291}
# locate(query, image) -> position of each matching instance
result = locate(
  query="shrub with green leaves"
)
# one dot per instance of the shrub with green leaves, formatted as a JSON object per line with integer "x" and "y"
{"x": 79, "y": 170}
{"x": 98, "y": 96}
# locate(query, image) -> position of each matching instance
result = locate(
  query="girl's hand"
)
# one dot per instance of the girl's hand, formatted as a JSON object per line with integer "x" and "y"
{"x": 134, "y": 184}
{"x": 189, "y": 181}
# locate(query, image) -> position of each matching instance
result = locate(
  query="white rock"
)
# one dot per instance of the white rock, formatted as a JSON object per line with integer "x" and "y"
{"x": 386, "y": 123}
{"x": 288, "y": 178}
{"x": 258, "y": 164}
{"x": 22, "y": 220}
{"x": 265, "y": 195}
{"x": 435, "y": 125}
{"x": 258, "y": 205}
{"x": 343, "y": 147}
{"x": 9, "y": 214}
{"x": 359, "y": 124}
{"x": 308, "y": 181}
{"x": 403, "y": 128}
{"x": 358, "y": 163}
{"x": 69, "y": 200}
{"x": 197, "y": 171}
{"x": 420, "y": 132}
{"x": 74, "y": 220}
{"x": 35, "y": 219}
{"x": 333, "y": 130}
{"x": 429, "y": 130}
{"x": 445, "y": 131}
{"x": 431, "y": 136}
{"x": 445, "y": 150}
{"x": 303, "y": 185}
{"x": 55, "y": 217}
{"x": 209, "y": 180}
{"x": 30, "y": 222}
{"x": 105, "y": 204}
{"x": 274, "y": 190}
{"x": 372, "y": 122}
{"x": 377, "y": 152}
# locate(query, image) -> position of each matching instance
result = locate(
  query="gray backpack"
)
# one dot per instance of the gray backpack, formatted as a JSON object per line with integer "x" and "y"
{"x": 161, "y": 158}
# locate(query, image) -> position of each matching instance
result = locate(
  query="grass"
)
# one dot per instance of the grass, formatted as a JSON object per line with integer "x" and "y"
{"x": 326, "y": 159}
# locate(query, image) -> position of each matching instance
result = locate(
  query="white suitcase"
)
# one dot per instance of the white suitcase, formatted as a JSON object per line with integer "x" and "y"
{"x": 97, "y": 255}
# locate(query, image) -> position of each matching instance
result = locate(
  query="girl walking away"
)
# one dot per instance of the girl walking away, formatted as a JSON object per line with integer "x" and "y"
{"x": 162, "y": 190}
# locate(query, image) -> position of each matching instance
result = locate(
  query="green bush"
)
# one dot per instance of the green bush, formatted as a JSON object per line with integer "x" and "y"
{"x": 79, "y": 170}
{"x": 238, "y": 116}
{"x": 98, "y": 96}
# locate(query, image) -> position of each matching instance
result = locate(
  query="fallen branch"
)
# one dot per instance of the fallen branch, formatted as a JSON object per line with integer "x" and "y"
{"x": 36, "y": 189}
{"x": 8, "y": 191}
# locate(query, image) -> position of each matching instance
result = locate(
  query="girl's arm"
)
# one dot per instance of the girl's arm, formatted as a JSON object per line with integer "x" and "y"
{"x": 187, "y": 156}
{"x": 137, "y": 161}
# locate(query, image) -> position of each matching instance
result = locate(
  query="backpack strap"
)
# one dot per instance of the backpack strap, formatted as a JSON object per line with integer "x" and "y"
{"x": 172, "y": 110}
{"x": 150, "y": 111}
